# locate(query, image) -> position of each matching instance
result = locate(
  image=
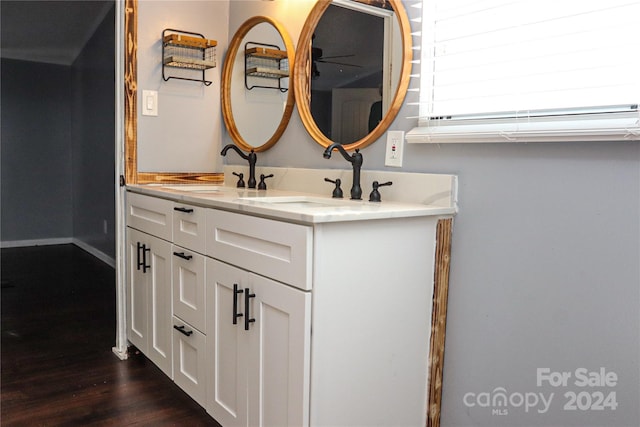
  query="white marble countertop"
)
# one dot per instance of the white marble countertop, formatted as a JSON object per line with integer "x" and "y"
{"x": 292, "y": 206}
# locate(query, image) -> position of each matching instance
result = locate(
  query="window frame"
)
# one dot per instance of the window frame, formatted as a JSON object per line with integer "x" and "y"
{"x": 606, "y": 123}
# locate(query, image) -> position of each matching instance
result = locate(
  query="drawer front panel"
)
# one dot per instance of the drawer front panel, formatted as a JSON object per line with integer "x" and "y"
{"x": 188, "y": 287}
{"x": 189, "y": 362}
{"x": 150, "y": 214}
{"x": 189, "y": 226}
{"x": 275, "y": 249}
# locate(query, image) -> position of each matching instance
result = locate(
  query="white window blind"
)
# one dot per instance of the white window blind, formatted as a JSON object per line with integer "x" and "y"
{"x": 522, "y": 70}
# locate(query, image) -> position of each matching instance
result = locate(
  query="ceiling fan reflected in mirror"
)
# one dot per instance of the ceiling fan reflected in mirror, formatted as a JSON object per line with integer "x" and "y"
{"x": 317, "y": 56}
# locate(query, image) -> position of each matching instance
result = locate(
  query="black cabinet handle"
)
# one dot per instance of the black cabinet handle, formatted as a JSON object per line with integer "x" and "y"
{"x": 247, "y": 317}
{"x": 140, "y": 264}
{"x": 183, "y": 255}
{"x": 182, "y": 331}
{"x": 185, "y": 210}
{"x": 143, "y": 263}
{"x": 145, "y": 249}
{"x": 236, "y": 291}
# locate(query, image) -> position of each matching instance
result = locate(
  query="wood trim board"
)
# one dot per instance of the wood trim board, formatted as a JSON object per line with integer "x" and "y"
{"x": 439, "y": 320}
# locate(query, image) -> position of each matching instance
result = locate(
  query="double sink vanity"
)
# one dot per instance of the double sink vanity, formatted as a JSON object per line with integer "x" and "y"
{"x": 287, "y": 308}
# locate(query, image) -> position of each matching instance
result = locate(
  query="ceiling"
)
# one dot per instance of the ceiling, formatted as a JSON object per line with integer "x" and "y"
{"x": 347, "y": 36}
{"x": 52, "y": 31}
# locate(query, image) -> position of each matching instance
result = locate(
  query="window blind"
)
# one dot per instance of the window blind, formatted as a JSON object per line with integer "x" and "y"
{"x": 510, "y": 70}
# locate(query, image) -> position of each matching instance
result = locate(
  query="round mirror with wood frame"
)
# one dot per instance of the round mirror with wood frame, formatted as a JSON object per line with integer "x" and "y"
{"x": 305, "y": 67}
{"x": 234, "y": 81}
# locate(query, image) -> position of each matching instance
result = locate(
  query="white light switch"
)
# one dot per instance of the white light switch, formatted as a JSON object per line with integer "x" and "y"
{"x": 149, "y": 103}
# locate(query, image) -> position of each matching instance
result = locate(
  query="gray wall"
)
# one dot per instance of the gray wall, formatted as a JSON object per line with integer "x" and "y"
{"x": 58, "y": 148}
{"x": 93, "y": 126}
{"x": 36, "y": 151}
{"x": 545, "y": 265}
{"x": 544, "y": 275}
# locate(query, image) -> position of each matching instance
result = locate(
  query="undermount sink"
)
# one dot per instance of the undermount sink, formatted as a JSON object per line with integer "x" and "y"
{"x": 298, "y": 201}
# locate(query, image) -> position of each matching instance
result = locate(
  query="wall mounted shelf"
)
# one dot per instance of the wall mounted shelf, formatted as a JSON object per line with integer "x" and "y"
{"x": 265, "y": 61}
{"x": 187, "y": 50}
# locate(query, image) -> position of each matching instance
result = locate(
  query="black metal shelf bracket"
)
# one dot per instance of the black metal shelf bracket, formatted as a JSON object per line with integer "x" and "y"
{"x": 280, "y": 65}
{"x": 199, "y": 59}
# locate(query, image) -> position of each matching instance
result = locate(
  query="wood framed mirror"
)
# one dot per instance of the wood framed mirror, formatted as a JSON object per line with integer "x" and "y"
{"x": 353, "y": 60}
{"x": 256, "y": 94}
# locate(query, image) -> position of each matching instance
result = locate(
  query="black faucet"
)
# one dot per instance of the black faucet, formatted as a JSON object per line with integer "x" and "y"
{"x": 251, "y": 158}
{"x": 356, "y": 161}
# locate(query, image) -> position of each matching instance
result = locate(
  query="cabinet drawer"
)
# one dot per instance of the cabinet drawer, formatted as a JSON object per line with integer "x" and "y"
{"x": 189, "y": 226}
{"x": 279, "y": 250}
{"x": 188, "y": 287}
{"x": 189, "y": 362}
{"x": 150, "y": 214}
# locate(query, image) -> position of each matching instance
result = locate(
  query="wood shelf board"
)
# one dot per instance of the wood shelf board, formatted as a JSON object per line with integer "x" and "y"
{"x": 192, "y": 63}
{"x": 263, "y": 52}
{"x": 273, "y": 73}
{"x": 189, "y": 41}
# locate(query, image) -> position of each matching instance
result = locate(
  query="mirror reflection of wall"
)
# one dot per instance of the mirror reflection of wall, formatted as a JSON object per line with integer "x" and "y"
{"x": 257, "y": 112}
{"x": 257, "y": 102}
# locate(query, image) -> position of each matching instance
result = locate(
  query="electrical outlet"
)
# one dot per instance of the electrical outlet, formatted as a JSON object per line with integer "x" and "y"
{"x": 395, "y": 148}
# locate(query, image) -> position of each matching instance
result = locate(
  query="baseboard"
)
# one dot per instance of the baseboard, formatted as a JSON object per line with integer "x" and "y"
{"x": 95, "y": 252}
{"x": 61, "y": 241}
{"x": 36, "y": 242}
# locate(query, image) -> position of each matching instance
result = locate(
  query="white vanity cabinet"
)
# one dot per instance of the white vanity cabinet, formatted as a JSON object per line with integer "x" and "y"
{"x": 149, "y": 279}
{"x": 300, "y": 322}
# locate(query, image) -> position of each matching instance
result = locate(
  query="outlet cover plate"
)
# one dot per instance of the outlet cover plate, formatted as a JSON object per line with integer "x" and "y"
{"x": 395, "y": 148}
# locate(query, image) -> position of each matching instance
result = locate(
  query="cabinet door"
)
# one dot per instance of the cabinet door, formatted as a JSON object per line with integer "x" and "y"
{"x": 279, "y": 348}
{"x": 137, "y": 312}
{"x": 226, "y": 344}
{"x": 149, "y": 297}
{"x": 159, "y": 293}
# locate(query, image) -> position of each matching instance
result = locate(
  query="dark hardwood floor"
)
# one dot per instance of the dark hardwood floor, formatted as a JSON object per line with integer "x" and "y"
{"x": 57, "y": 367}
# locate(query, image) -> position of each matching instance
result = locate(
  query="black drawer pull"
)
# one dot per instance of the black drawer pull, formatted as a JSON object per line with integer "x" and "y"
{"x": 247, "y": 317}
{"x": 138, "y": 257}
{"x": 143, "y": 263}
{"x": 236, "y": 291}
{"x": 181, "y": 330}
{"x": 183, "y": 256}
{"x": 185, "y": 210}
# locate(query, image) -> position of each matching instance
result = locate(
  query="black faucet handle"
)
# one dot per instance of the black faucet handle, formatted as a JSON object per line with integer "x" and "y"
{"x": 375, "y": 194}
{"x": 337, "y": 192}
{"x": 240, "y": 176}
{"x": 263, "y": 185}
